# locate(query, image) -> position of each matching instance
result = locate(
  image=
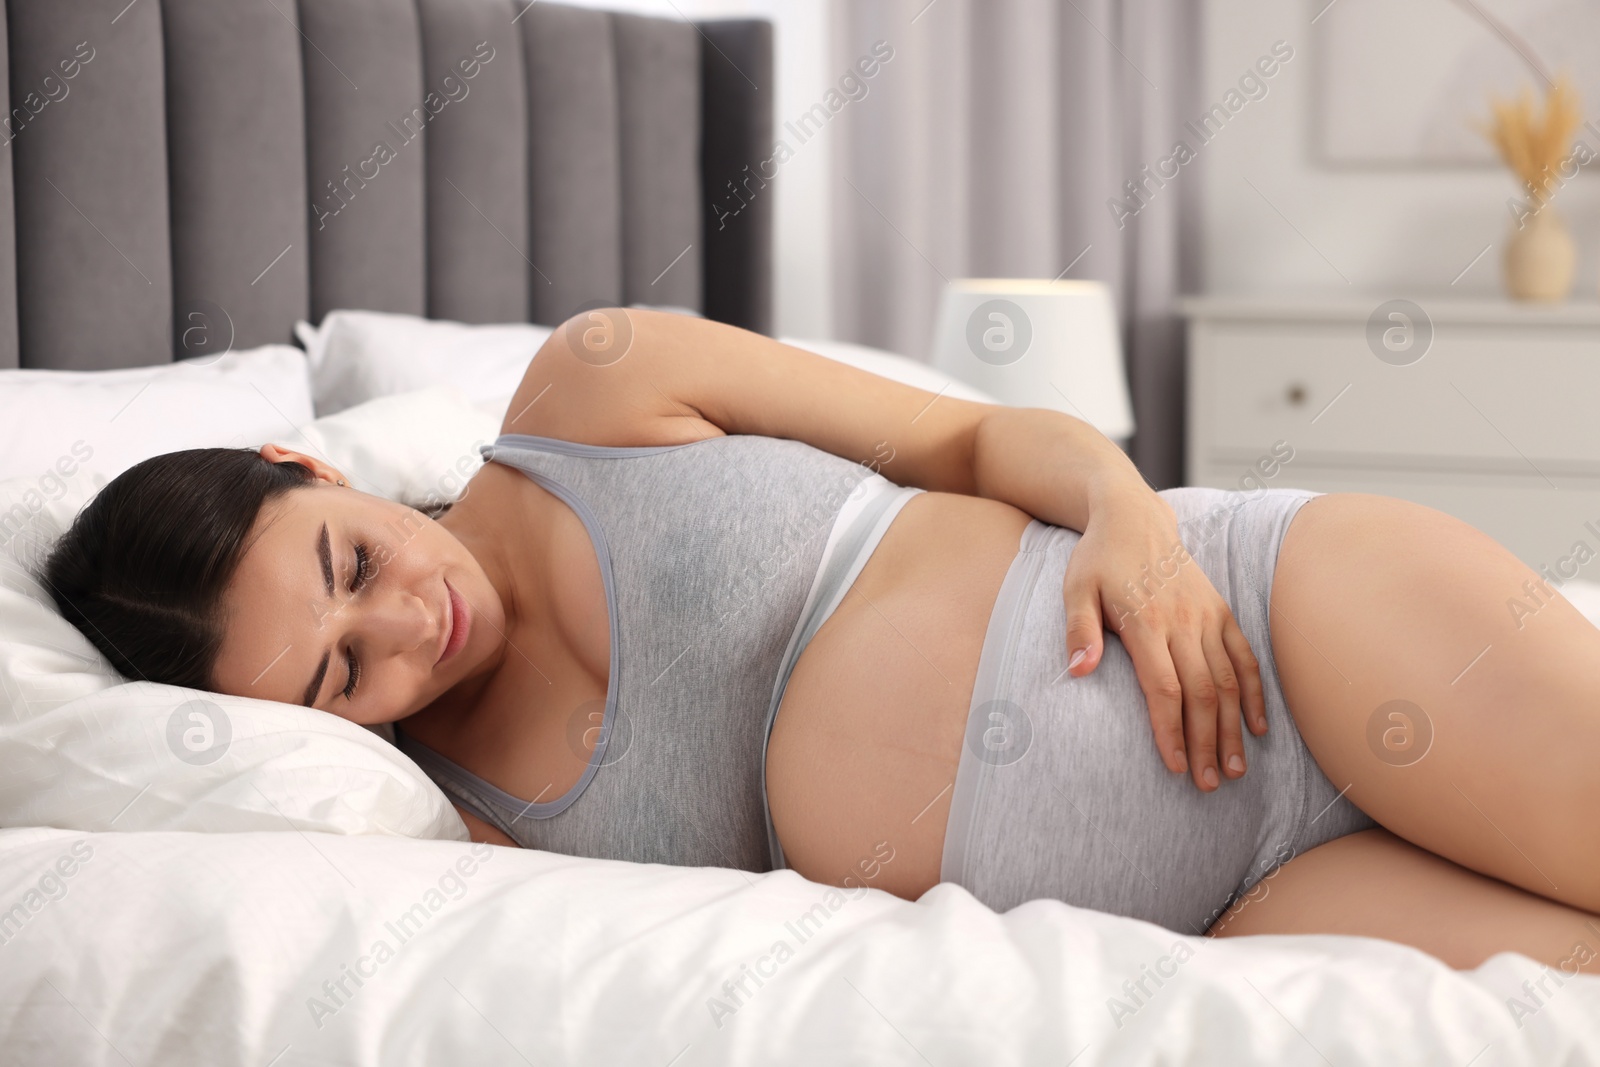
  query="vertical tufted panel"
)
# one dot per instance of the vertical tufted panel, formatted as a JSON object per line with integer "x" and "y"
{"x": 736, "y": 91}
{"x": 365, "y": 124}
{"x": 210, "y": 162}
{"x": 8, "y": 233}
{"x": 94, "y": 281}
{"x": 240, "y": 258}
{"x": 477, "y": 161}
{"x": 658, "y": 98}
{"x": 574, "y": 175}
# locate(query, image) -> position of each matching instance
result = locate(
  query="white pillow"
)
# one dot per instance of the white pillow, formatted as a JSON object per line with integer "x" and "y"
{"x": 358, "y": 355}
{"x": 419, "y": 447}
{"x": 1585, "y": 596}
{"x": 53, "y": 424}
{"x": 80, "y": 748}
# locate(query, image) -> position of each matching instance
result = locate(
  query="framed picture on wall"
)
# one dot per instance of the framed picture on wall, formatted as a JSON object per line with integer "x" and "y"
{"x": 1399, "y": 83}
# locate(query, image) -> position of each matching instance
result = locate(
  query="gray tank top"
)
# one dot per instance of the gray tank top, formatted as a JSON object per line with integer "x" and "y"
{"x": 720, "y": 558}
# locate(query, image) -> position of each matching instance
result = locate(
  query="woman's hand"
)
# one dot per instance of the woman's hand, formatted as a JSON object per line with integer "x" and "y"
{"x": 1193, "y": 662}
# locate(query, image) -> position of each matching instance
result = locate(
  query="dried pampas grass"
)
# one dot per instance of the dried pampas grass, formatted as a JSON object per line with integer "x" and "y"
{"x": 1535, "y": 146}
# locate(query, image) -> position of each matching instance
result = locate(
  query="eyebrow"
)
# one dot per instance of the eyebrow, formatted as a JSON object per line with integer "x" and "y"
{"x": 325, "y": 555}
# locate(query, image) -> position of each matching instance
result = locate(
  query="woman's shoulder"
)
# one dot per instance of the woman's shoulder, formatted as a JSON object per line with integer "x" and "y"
{"x": 566, "y": 398}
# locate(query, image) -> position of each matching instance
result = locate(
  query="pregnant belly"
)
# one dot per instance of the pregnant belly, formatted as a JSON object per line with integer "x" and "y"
{"x": 866, "y": 743}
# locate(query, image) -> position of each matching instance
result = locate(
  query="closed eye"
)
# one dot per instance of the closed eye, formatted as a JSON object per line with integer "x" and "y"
{"x": 362, "y": 576}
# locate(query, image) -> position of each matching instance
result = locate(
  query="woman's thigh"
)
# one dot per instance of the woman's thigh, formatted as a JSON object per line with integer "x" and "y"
{"x": 1374, "y": 884}
{"x": 1446, "y": 686}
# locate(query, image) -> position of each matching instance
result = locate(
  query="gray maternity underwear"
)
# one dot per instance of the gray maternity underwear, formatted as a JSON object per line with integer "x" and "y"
{"x": 1060, "y": 791}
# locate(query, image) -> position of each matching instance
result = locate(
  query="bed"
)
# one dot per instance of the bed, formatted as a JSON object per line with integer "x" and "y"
{"x": 192, "y": 879}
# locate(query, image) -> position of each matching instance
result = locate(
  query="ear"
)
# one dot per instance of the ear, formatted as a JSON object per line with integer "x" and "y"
{"x": 324, "y": 471}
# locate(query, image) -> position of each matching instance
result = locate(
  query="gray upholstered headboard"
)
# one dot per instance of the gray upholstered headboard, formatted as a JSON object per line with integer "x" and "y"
{"x": 239, "y": 164}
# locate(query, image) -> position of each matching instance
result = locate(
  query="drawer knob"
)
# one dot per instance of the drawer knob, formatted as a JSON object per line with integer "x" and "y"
{"x": 1297, "y": 394}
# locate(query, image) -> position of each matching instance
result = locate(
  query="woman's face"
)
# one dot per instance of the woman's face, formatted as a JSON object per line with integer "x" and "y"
{"x": 340, "y": 603}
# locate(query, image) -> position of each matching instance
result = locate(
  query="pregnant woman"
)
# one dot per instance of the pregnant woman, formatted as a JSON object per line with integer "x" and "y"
{"x": 720, "y": 601}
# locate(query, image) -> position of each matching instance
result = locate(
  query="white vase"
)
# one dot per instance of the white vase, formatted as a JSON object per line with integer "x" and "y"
{"x": 1540, "y": 258}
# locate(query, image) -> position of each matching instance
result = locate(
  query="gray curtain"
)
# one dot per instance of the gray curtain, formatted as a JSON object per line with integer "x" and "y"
{"x": 991, "y": 144}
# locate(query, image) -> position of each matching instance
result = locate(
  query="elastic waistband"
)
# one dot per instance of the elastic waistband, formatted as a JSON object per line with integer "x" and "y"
{"x": 984, "y": 742}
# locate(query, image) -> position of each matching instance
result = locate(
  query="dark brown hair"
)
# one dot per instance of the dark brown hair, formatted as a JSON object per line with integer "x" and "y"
{"x": 143, "y": 569}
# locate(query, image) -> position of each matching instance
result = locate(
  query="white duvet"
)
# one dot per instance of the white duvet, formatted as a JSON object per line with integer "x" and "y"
{"x": 290, "y": 949}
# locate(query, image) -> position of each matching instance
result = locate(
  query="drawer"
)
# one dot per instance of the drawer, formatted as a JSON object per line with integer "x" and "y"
{"x": 1540, "y": 525}
{"x": 1319, "y": 387}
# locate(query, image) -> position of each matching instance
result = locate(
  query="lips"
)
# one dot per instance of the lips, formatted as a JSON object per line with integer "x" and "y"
{"x": 458, "y": 624}
{"x": 449, "y": 624}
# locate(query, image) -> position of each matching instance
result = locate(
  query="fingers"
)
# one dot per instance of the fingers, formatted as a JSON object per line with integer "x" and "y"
{"x": 1248, "y": 670}
{"x": 1195, "y": 666}
{"x": 1230, "y": 737}
{"x": 1201, "y": 704}
{"x": 1084, "y": 627}
{"x": 1163, "y": 692}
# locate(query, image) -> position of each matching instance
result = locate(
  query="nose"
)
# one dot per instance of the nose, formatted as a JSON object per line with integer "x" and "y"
{"x": 401, "y": 623}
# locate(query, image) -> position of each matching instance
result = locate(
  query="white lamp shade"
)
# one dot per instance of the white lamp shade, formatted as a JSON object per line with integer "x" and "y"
{"x": 1036, "y": 343}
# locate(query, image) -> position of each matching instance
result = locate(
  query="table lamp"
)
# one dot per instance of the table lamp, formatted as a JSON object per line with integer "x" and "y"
{"x": 1036, "y": 343}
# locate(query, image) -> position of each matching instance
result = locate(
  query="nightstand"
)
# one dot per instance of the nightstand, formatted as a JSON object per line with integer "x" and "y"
{"x": 1487, "y": 410}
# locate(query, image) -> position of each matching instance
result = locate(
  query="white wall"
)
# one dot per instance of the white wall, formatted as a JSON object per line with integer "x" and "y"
{"x": 1386, "y": 230}
{"x": 802, "y": 300}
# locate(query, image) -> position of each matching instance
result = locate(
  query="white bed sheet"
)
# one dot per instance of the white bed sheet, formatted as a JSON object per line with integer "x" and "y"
{"x": 176, "y": 948}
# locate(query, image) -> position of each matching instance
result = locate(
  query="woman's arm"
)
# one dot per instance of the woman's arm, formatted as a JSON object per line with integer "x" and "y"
{"x": 616, "y": 376}
{"x": 682, "y": 377}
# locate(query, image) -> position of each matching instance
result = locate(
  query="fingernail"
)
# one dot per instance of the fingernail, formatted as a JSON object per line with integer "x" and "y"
{"x": 1183, "y": 763}
{"x": 1209, "y": 776}
{"x": 1235, "y": 764}
{"x": 1077, "y": 658}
